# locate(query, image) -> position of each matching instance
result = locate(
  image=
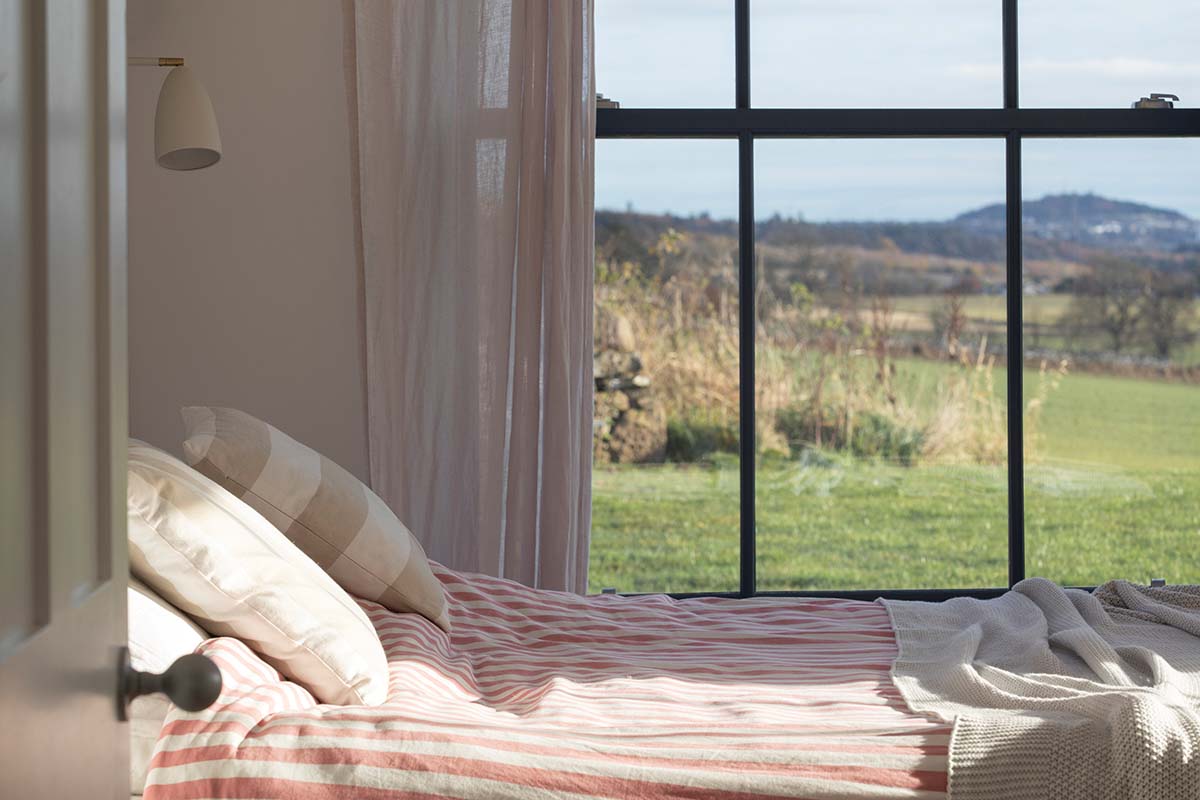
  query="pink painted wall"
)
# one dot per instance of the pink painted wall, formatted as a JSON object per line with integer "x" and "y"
{"x": 244, "y": 287}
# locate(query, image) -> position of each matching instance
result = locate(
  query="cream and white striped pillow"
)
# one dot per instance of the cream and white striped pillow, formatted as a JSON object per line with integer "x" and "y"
{"x": 329, "y": 514}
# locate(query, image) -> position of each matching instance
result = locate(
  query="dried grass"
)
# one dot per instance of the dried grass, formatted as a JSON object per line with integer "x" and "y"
{"x": 828, "y": 362}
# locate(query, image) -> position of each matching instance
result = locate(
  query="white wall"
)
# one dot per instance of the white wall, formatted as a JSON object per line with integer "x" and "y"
{"x": 244, "y": 288}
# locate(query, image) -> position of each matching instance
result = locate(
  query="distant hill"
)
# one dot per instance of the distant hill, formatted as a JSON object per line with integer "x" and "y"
{"x": 1063, "y": 235}
{"x": 1092, "y": 220}
{"x": 1063, "y": 227}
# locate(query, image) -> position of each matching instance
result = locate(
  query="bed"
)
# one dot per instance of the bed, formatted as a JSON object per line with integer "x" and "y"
{"x": 545, "y": 694}
{"x": 356, "y": 668}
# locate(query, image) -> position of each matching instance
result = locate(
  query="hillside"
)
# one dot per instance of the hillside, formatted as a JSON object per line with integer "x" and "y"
{"x": 1091, "y": 220}
{"x": 1063, "y": 234}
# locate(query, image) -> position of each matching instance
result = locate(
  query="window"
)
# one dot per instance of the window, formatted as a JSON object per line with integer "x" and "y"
{"x": 880, "y": 54}
{"x": 1110, "y": 53}
{"x": 868, "y": 323}
{"x": 882, "y": 464}
{"x": 666, "y": 344}
{"x": 1112, "y": 475}
{"x": 684, "y": 44}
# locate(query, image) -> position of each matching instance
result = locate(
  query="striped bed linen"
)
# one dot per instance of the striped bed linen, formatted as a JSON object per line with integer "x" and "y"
{"x": 541, "y": 694}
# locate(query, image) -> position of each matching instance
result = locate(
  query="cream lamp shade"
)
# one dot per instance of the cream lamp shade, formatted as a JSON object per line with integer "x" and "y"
{"x": 185, "y": 126}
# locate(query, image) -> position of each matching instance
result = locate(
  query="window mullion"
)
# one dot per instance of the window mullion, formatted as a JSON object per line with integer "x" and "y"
{"x": 1009, "y": 50}
{"x": 741, "y": 53}
{"x": 1016, "y": 360}
{"x": 748, "y": 578}
{"x": 746, "y": 393}
{"x": 1014, "y": 322}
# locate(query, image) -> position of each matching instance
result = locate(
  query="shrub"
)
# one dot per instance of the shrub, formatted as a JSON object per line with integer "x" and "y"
{"x": 690, "y": 440}
{"x": 797, "y": 426}
{"x": 869, "y": 435}
{"x": 877, "y": 436}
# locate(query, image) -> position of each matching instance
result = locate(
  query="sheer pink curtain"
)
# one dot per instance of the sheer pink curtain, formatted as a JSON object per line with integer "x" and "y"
{"x": 475, "y": 141}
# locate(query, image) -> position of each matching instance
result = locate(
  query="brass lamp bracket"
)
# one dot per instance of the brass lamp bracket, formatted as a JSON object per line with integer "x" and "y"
{"x": 142, "y": 61}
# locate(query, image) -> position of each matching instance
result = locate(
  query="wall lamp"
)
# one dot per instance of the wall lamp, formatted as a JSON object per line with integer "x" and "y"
{"x": 185, "y": 126}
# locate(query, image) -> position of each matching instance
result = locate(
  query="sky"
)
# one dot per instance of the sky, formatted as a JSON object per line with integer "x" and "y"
{"x": 886, "y": 53}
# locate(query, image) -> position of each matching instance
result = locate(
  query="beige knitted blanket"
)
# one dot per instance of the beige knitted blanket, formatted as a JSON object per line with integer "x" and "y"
{"x": 1060, "y": 694}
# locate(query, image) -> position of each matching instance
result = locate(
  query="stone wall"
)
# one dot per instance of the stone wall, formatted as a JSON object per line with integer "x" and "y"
{"x": 628, "y": 427}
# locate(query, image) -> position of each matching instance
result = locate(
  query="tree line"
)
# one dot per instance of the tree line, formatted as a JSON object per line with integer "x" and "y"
{"x": 1131, "y": 305}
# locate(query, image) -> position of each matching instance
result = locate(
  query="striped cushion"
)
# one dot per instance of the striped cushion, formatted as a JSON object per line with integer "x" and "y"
{"x": 326, "y": 511}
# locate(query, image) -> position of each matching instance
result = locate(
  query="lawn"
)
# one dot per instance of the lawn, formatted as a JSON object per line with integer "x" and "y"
{"x": 1115, "y": 492}
{"x": 1043, "y": 314}
{"x": 1046, "y": 309}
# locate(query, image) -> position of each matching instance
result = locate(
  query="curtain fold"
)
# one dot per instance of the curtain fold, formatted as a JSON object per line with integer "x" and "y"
{"x": 475, "y": 132}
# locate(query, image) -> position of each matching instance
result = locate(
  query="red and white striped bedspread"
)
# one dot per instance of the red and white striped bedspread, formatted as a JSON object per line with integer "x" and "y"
{"x": 543, "y": 695}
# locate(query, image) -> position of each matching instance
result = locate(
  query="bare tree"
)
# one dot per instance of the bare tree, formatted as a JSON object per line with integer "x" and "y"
{"x": 880, "y": 330}
{"x": 949, "y": 321}
{"x": 1110, "y": 300}
{"x": 1167, "y": 311}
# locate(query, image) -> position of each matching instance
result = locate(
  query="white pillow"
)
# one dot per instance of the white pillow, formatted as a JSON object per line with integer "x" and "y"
{"x": 217, "y": 560}
{"x": 158, "y": 634}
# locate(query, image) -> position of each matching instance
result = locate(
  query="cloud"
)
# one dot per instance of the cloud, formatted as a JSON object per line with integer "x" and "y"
{"x": 990, "y": 72}
{"x": 1118, "y": 67}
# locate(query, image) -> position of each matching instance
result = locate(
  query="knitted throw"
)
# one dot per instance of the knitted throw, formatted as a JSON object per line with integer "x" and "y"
{"x": 1059, "y": 694}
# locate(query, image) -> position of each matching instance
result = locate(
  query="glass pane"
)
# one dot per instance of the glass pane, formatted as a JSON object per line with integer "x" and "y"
{"x": 1112, "y": 370}
{"x": 665, "y": 477}
{"x": 880, "y": 365}
{"x": 1107, "y": 53}
{"x": 665, "y": 53}
{"x": 876, "y": 54}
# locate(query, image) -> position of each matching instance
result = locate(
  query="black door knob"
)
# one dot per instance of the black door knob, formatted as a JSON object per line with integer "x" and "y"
{"x": 192, "y": 682}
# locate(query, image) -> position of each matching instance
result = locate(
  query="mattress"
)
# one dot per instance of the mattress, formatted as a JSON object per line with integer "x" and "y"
{"x": 539, "y": 694}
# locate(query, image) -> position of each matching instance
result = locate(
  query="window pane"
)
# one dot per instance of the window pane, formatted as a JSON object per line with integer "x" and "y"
{"x": 880, "y": 365}
{"x": 876, "y": 54}
{"x": 1112, "y": 372}
{"x": 665, "y": 477}
{"x": 665, "y": 53}
{"x": 1108, "y": 53}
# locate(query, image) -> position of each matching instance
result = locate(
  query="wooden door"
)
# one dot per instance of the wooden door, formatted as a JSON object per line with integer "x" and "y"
{"x": 62, "y": 398}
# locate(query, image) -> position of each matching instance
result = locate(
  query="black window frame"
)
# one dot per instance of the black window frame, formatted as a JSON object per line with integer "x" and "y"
{"x": 1011, "y": 122}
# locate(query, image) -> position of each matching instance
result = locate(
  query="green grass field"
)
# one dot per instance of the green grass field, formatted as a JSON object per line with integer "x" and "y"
{"x": 1044, "y": 308}
{"x": 1116, "y": 493}
{"x": 1042, "y": 313}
